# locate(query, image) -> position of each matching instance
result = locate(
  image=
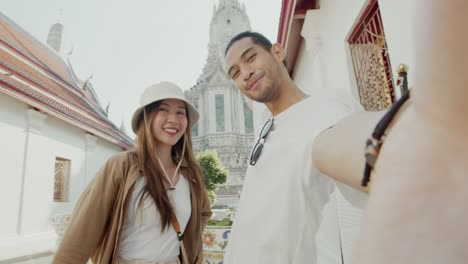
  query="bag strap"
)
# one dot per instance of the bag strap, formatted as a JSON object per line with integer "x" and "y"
{"x": 374, "y": 143}
{"x": 180, "y": 238}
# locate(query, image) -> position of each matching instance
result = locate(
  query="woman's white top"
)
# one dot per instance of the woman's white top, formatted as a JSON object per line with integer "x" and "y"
{"x": 141, "y": 236}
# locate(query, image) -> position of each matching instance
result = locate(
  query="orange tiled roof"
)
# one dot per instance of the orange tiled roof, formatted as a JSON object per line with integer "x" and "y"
{"x": 35, "y": 74}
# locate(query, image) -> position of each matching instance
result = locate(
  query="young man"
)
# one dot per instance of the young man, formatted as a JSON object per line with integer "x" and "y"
{"x": 419, "y": 187}
{"x": 283, "y": 194}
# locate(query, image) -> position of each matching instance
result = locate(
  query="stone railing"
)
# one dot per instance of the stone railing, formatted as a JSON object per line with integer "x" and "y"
{"x": 215, "y": 239}
{"x": 224, "y": 139}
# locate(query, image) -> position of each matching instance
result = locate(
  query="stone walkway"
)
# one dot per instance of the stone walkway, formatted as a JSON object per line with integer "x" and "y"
{"x": 44, "y": 258}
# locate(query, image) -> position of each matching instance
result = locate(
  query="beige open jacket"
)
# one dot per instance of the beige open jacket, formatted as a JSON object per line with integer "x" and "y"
{"x": 95, "y": 225}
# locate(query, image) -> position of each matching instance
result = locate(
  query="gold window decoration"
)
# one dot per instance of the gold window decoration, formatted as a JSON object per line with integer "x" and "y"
{"x": 371, "y": 60}
{"x": 61, "y": 179}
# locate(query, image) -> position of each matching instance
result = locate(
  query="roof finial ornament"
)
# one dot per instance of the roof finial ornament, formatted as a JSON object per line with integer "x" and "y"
{"x": 71, "y": 51}
{"x": 122, "y": 126}
{"x": 107, "y": 109}
{"x": 87, "y": 80}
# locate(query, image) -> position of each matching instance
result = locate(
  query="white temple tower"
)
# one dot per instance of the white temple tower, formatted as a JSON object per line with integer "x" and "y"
{"x": 225, "y": 123}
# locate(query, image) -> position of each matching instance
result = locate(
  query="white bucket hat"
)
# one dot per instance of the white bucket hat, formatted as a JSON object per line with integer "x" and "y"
{"x": 161, "y": 91}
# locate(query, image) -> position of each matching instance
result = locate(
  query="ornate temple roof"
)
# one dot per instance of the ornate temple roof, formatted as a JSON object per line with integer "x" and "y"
{"x": 34, "y": 73}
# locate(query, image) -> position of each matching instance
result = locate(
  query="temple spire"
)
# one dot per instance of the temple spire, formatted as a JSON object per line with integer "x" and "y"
{"x": 55, "y": 35}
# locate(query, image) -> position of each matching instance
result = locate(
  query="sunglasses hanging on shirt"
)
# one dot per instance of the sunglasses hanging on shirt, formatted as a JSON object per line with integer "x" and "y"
{"x": 257, "y": 150}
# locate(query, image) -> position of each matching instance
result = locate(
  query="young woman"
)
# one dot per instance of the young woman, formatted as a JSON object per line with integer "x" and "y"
{"x": 141, "y": 202}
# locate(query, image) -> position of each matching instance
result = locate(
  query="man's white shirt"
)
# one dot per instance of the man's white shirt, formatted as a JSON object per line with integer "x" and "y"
{"x": 279, "y": 212}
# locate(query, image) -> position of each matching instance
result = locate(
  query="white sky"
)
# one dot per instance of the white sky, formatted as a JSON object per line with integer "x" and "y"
{"x": 129, "y": 45}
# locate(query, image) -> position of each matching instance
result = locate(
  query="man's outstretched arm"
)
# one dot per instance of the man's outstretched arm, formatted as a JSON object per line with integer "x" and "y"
{"x": 339, "y": 151}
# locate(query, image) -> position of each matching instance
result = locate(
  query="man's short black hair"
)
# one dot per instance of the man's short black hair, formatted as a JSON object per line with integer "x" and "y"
{"x": 256, "y": 38}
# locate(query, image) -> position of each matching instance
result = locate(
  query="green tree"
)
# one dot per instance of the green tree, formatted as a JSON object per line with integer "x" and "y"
{"x": 213, "y": 171}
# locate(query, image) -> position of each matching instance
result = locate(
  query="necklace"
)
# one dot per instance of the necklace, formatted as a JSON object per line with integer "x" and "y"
{"x": 171, "y": 182}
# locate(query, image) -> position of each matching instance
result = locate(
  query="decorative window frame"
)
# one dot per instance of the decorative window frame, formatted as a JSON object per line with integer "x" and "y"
{"x": 61, "y": 179}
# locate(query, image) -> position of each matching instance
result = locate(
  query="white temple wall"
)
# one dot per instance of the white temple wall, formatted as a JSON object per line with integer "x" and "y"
{"x": 240, "y": 110}
{"x": 12, "y": 142}
{"x": 227, "y": 111}
{"x": 30, "y": 142}
{"x": 324, "y": 69}
{"x": 397, "y": 21}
